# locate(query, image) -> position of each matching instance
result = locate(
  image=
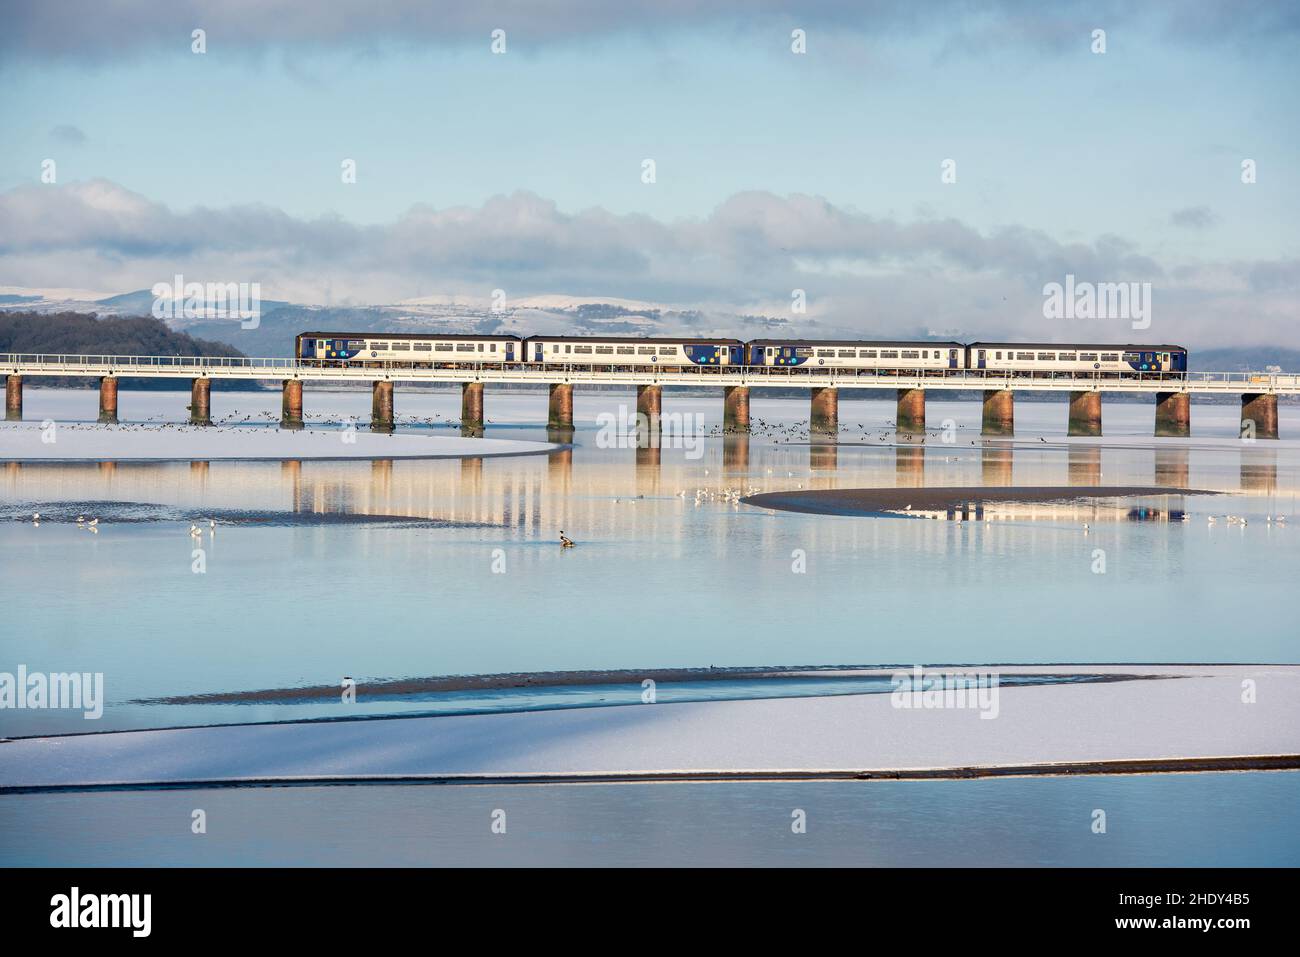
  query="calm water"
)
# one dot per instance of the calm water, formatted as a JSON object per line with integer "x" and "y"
{"x": 1191, "y": 820}
{"x": 317, "y": 571}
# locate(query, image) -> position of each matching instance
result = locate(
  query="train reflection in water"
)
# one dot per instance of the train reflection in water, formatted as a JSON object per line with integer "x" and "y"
{"x": 1082, "y": 512}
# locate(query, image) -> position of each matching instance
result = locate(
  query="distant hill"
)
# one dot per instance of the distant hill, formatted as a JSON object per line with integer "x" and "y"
{"x": 1248, "y": 359}
{"x": 141, "y": 302}
{"x": 77, "y": 333}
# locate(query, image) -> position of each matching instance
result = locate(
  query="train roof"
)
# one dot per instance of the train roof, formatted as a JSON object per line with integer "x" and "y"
{"x": 664, "y": 340}
{"x": 405, "y": 335}
{"x": 1130, "y": 346}
{"x": 886, "y": 343}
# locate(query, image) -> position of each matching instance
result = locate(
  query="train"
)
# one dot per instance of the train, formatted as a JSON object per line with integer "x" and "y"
{"x": 630, "y": 353}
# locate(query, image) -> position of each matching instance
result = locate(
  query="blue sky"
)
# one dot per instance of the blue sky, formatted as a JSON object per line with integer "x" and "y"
{"x": 1126, "y": 163}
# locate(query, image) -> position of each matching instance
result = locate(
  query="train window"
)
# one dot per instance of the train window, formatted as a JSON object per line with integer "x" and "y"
{"x": 997, "y": 355}
{"x": 1067, "y": 356}
{"x": 889, "y": 353}
{"x": 1025, "y": 356}
{"x": 604, "y": 350}
{"x": 401, "y": 347}
{"x": 1046, "y": 356}
{"x": 866, "y": 353}
{"x": 443, "y": 347}
{"x": 555, "y": 348}
{"x": 911, "y": 354}
{"x": 568, "y": 348}
{"x": 771, "y": 351}
{"x": 1087, "y": 357}
{"x": 804, "y": 352}
{"x": 584, "y": 350}
{"x": 667, "y": 350}
{"x": 356, "y": 343}
{"x": 421, "y": 346}
{"x": 627, "y": 350}
{"x": 480, "y": 347}
{"x": 645, "y": 350}
{"x": 826, "y": 353}
{"x": 494, "y": 347}
{"x": 1131, "y": 356}
{"x": 376, "y": 346}
{"x": 952, "y": 354}
{"x": 847, "y": 354}
{"x": 1110, "y": 357}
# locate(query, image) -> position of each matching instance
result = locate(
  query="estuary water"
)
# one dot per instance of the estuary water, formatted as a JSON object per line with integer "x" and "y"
{"x": 318, "y": 571}
{"x": 1170, "y": 820}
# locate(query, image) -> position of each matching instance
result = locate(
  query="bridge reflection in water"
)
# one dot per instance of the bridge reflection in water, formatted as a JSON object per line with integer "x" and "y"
{"x": 587, "y": 486}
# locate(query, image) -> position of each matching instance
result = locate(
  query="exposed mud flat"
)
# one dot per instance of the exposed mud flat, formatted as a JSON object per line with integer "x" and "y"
{"x": 1196, "y": 723}
{"x": 175, "y": 442}
{"x": 109, "y": 513}
{"x": 398, "y": 687}
{"x": 887, "y": 501}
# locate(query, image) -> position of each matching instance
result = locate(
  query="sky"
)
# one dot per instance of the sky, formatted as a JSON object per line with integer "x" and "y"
{"x": 774, "y": 170}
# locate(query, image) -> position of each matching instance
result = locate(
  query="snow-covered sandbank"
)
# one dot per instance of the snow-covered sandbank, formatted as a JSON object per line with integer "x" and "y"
{"x": 1182, "y": 715}
{"x": 170, "y": 442}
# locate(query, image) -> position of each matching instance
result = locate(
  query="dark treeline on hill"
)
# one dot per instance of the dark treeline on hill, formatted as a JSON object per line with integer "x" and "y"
{"x": 79, "y": 333}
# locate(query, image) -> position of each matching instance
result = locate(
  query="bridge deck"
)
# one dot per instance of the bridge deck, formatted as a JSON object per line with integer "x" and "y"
{"x": 184, "y": 367}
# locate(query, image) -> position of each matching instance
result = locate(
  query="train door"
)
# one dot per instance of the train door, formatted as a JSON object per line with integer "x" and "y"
{"x": 737, "y": 357}
{"x": 510, "y": 352}
{"x": 537, "y": 351}
{"x": 952, "y": 358}
{"x": 983, "y": 359}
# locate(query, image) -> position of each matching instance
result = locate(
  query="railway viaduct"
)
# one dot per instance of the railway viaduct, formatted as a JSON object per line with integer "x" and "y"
{"x": 1258, "y": 392}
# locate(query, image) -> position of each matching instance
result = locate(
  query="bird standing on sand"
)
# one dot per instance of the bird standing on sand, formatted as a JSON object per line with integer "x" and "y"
{"x": 564, "y": 540}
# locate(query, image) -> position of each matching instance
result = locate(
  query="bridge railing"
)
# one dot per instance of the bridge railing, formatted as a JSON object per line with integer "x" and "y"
{"x": 79, "y": 364}
{"x": 144, "y": 363}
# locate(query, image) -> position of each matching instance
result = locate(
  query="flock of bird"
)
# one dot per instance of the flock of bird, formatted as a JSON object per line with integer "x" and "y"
{"x": 92, "y": 525}
{"x": 1241, "y": 520}
{"x": 727, "y": 496}
{"x": 799, "y": 429}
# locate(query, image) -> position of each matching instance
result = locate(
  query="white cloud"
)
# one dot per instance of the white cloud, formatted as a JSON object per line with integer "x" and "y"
{"x": 862, "y": 274}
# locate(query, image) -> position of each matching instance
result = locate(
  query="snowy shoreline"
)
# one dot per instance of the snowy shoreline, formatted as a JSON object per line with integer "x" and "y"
{"x": 1185, "y": 718}
{"x": 89, "y": 442}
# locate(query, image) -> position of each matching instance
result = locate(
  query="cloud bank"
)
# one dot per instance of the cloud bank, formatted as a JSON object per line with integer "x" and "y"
{"x": 95, "y": 29}
{"x": 860, "y": 274}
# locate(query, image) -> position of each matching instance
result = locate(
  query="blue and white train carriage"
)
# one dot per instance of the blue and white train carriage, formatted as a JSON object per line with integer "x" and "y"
{"x": 633, "y": 351}
{"x": 417, "y": 351}
{"x": 863, "y": 355}
{"x": 1039, "y": 358}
